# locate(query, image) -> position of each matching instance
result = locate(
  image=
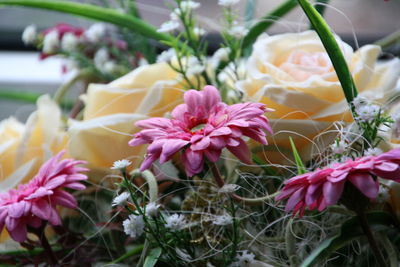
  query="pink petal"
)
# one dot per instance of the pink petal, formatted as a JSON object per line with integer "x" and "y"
{"x": 150, "y": 158}
{"x": 365, "y": 183}
{"x": 332, "y": 192}
{"x": 193, "y": 161}
{"x": 295, "y": 199}
{"x": 40, "y": 192}
{"x": 241, "y": 151}
{"x": 212, "y": 155}
{"x": 74, "y": 185}
{"x": 211, "y": 96}
{"x": 19, "y": 233}
{"x": 314, "y": 192}
{"x": 54, "y": 218}
{"x": 16, "y": 210}
{"x": 170, "y": 147}
{"x": 65, "y": 199}
{"x": 387, "y": 166}
{"x": 42, "y": 209}
{"x": 202, "y": 144}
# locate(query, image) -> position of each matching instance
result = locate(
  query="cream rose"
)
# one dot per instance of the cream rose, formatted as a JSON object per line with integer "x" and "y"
{"x": 293, "y": 74}
{"x": 112, "y": 109}
{"x": 25, "y": 147}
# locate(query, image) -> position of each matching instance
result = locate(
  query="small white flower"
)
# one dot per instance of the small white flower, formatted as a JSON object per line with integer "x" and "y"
{"x": 245, "y": 259}
{"x": 175, "y": 14}
{"x": 367, "y": 113}
{"x": 183, "y": 255}
{"x": 95, "y": 32}
{"x": 166, "y": 55}
{"x": 360, "y": 101}
{"x": 228, "y": 3}
{"x": 373, "y": 152}
{"x": 222, "y": 54}
{"x": 51, "y": 42}
{"x": 134, "y": 226}
{"x": 121, "y": 164}
{"x": 222, "y": 220}
{"x": 143, "y": 62}
{"x": 339, "y": 147}
{"x": 29, "y": 34}
{"x": 228, "y": 188}
{"x": 199, "y": 31}
{"x": 69, "y": 42}
{"x": 194, "y": 67}
{"x": 189, "y": 5}
{"x": 109, "y": 67}
{"x": 175, "y": 222}
{"x": 101, "y": 57}
{"x": 169, "y": 26}
{"x": 152, "y": 209}
{"x": 121, "y": 199}
{"x": 238, "y": 31}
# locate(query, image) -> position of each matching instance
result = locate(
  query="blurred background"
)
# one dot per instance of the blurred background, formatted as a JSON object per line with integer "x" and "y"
{"x": 21, "y": 69}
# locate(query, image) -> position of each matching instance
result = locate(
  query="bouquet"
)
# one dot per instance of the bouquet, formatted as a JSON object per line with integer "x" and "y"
{"x": 270, "y": 150}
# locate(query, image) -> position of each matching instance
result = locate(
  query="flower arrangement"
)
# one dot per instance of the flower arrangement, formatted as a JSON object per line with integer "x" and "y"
{"x": 272, "y": 150}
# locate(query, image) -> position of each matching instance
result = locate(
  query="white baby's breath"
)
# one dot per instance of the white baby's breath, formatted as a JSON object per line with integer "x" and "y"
{"x": 152, "y": 209}
{"x": 69, "y": 42}
{"x": 228, "y": 188}
{"x": 367, "y": 113}
{"x": 245, "y": 258}
{"x": 228, "y": 3}
{"x": 166, "y": 55}
{"x": 199, "y": 31}
{"x": 51, "y": 43}
{"x": 194, "y": 67}
{"x": 134, "y": 226}
{"x": 373, "y": 151}
{"x": 339, "y": 147}
{"x": 121, "y": 199}
{"x": 95, "y": 32}
{"x": 175, "y": 14}
{"x": 29, "y": 34}
{"x": 189, "y": 5}
{"x": 169, "y": 26}
{"x": 121, "y": 164}
{"x": 222, "y": 220}
{"x": 101, "y": 57}
{"x": 175, "y": 222}
{"x": 238, "y": 31}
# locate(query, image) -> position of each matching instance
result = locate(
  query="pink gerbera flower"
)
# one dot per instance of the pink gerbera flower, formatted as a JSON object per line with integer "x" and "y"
{"x": 32, "y": 203}
{"x": 324, "y": 187}
{"x": 202, "y": 127}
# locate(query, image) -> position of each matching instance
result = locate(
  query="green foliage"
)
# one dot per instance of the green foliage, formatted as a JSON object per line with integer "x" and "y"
{"x": 96, "y": 13}
{"x": 152, "y": 258}
{"x": 333, "y": 50}
{"x": 301, "y": 169}
{"x": 349, "y": 231}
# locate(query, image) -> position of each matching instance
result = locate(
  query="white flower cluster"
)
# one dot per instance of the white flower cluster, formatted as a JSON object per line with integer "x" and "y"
{"x": 134, "y": 226}
{"x": 373, "y": 152}
{"x": 238, "y": 31}
{"x": 166, "y": 55}
{"x": 189, "y": 5}
{"x": 339, "y": 147}
{"x": 228, "y": 3}
{"x": 366, "y": 111}
{"x": 69, "y": 42}
{"x": 121, "y": 164}
{"x": 169, "y": 26}
{"x": 152, "y": 209}
{"x": 175, "y": 222}
{"x": 51, "y": 42}
{"x": 121, "y": 199}
{"x": 245, "y": 258}
{"x": 29, "y": 35}
{"x": 194, "y": 67}
{"x": 95, "y": 32}
{"x": 228, "y": 188}
{"x": 223, "y": 220}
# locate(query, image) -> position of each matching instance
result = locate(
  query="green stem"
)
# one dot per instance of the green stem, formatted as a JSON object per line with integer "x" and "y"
{"x": 371, "y": 239}
{"x": 129, "y": 254}
{"x": 266, "y": 22}
{"x": 290, "y": 242}
{"x": 333, "y": 50}
{"x": 40, "y": 233}
{"x": 389, "y": 40}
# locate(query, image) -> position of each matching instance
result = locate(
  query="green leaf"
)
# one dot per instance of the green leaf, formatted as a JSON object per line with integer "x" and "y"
{"x": 301, "y": 169}
{"x": 96, "y": 13}
{"x": 349, "y": 231}
{"x": 136, "y": 250}
{"x": 266, "y": 22}
{"x": 152, "y": 258}
{"x": 333, "y": 50}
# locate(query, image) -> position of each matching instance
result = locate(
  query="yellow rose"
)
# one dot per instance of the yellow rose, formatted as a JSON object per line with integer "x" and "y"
{"x": 293, "y": 74}
{"x": 25, "y": 147}
{"x": 111, "y": 111}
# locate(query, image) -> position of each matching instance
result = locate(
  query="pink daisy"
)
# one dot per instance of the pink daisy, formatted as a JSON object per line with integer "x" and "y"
{"x": 202, "y": 127}
{"x": 36, "y": 201}
{"x": 324, "y": 187}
